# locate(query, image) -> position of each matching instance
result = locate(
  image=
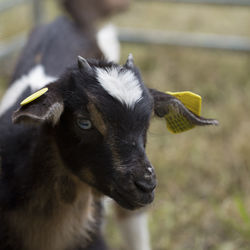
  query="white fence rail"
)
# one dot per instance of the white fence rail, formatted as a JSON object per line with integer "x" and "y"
{"x": 194, "y": 40}
{"x": 206, "y": 41}
{"x": 213, "y": 2}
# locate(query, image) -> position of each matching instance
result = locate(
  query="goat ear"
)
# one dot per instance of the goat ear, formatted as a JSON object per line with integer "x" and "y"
{"x": 83, "y": 64}
{"x": 46, "y": 108}
{"x": 165, "y": 103}
{"x": 130, "y": 61}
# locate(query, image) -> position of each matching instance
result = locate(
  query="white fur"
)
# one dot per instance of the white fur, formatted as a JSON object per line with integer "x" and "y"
{"x": 122, "y": 85}
{"x": 135, "y": 232}
{"x": 35, "y": 79}
{"x": 107, "y": 40}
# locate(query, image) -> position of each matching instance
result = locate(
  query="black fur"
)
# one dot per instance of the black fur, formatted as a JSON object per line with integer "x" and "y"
{"x": 114, "y": 164}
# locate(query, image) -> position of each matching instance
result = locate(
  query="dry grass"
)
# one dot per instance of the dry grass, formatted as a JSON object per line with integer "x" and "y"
{"x": 202, "y": 200}
{"x": 203, "y": 174}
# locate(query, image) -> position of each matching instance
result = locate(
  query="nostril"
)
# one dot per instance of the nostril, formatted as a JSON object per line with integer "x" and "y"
{"x": 145, "y": 186}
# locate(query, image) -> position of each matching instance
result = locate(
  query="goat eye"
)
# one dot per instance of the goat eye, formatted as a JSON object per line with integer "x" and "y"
{"x": 84, "y": 124}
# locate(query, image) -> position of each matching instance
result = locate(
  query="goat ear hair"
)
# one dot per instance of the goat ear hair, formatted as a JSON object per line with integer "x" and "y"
{"x": 47, "y": 108}
{"x": 165, "y": 103}
{"x": 83, "y": 64}
{"x": 130, "y": 61}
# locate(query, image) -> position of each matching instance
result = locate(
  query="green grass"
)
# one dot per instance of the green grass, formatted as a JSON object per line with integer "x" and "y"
{"x": 202, "y": 199}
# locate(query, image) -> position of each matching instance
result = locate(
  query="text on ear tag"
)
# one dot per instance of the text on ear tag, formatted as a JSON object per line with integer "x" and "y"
{"x": 34, "y": 96}
{"x": 176, "y": 122}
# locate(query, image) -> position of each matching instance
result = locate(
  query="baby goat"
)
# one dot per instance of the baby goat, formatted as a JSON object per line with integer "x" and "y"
{"x": 85, "y": 137}
{"x": 88, "y": 139}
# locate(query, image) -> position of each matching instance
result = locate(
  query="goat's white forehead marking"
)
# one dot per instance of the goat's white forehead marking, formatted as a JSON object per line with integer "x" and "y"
{"x": 35, "y": 79}
{"x": 122, "y": 85}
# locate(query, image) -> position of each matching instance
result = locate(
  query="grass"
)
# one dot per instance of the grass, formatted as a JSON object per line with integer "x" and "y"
{"x": 202, "y": 200}
{"x": 201, "y": 172}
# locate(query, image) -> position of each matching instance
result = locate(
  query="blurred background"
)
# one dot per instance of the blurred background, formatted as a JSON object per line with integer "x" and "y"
{"x": 202, "y": 200}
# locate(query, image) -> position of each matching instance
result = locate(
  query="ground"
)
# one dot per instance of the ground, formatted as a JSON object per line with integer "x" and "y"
{"x": 202, "y": 199}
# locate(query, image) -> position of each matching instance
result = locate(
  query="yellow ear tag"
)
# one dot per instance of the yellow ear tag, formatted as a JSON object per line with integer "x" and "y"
{"x": 176, "y": 122}
{"x": 34, "y": 96}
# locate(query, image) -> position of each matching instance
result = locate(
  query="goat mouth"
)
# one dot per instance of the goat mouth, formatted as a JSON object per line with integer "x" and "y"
{"x": 130, "y": 200}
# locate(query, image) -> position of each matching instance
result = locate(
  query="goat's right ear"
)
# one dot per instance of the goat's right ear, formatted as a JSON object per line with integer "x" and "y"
{"x": 165, "y": 104}
{"x": 46, "y": 108}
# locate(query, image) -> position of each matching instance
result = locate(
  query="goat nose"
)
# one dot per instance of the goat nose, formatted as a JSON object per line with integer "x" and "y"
{"x": 146, "y": 186}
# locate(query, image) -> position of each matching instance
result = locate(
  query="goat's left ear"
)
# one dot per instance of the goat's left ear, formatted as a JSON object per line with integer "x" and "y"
{"x": 165, "y": 104}
{"x": 45, "y": 108}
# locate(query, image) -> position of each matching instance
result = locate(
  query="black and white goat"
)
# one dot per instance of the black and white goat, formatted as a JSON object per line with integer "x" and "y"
{"x": 87, "y": 139}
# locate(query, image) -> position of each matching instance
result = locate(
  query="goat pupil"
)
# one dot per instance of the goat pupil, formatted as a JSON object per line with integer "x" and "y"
{"x": 84, "y": 124}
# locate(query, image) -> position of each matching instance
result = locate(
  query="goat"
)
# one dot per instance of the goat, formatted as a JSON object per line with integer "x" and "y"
{"x": 88, "y": 139}
{"x": 82, "y": 145}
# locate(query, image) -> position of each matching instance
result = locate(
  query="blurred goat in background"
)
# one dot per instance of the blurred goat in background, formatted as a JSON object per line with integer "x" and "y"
{"x": 87, "y": 13}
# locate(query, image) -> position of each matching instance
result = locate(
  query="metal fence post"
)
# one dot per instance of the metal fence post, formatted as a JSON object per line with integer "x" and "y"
{"x": 38, "y": 11}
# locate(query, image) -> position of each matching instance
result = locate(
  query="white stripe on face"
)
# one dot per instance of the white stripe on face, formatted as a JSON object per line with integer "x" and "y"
{"x": 122, "y": 85}
{"x": 35, "y": 79}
